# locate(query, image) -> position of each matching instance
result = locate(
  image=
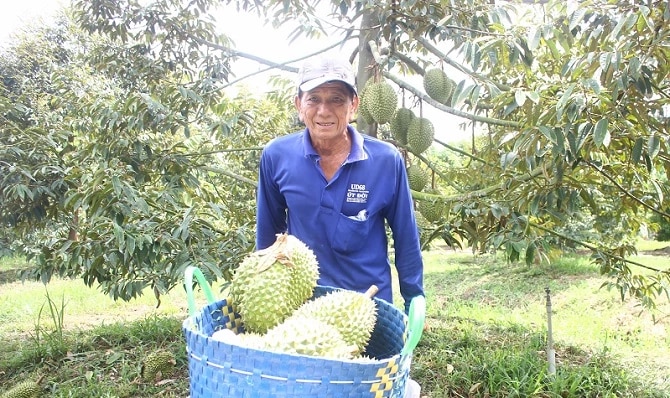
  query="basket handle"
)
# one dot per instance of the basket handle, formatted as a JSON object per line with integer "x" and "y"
{"x": 417, "y": 318}
{"x": 204, "y": 285}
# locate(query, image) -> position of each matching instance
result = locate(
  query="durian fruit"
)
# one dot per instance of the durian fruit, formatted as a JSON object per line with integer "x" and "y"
{"x": 157, "y": 365}
{"x": 25, "y": 389}
{"x": 400, "y": 123}
{"x": 362, "y": 104}
{"x": 417, "y": 177}
{"x": 438, "y": 85}
{"x": 304, "y": 336}
{"x": 420, "y": 134}
{"x": 380, "y": 100}
{"x": 351, "y": 313}
{"x": 271, "y": 283}
{"x": 431, "y": 210}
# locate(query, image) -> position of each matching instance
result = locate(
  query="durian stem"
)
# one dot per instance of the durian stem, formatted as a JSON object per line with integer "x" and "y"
{"x": 372, "y": 290}
{"x": 276, "y": 252}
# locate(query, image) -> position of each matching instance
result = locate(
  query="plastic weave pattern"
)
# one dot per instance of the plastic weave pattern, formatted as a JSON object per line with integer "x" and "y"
{"x": 218, "y": 369}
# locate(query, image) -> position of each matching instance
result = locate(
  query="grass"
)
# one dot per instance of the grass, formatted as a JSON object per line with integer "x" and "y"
{"x": 489, "y": 321}
{"x": 486, "y": 335}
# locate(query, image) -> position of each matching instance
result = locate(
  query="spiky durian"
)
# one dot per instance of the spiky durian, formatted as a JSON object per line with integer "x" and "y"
{"x": 362, "y": 104}
{"x": 417, "y": 177}
{"x": 25, "y": 389}
{"x": 420, "y": 134}
{"x": 158, "y": 364}
{"x": 431, "y": 210}
{"x": 400, "y": 123}
{"x": 271, "y": 283}
{"x": 351, "y": 313}
{"x": 438, "y": 85}
{"x": 306, "y": 336}
{"x": 381, "y": 101}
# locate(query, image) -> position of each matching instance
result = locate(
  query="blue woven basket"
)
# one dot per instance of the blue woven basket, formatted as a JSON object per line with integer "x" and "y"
{"x": 219, "y": 369}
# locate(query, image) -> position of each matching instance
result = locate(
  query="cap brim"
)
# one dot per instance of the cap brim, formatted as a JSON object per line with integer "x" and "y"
{"x": 314, "y": 83}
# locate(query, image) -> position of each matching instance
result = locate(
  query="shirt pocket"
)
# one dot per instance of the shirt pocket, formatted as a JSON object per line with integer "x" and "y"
{"x": 350, "y": 234}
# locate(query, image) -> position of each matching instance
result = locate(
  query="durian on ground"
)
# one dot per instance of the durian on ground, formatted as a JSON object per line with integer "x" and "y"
{"x": 25, "y": 389}
{"x": 158, "y": 364}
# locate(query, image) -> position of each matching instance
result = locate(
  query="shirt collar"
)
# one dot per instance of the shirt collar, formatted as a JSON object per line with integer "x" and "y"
{"x": 357, "y": 151}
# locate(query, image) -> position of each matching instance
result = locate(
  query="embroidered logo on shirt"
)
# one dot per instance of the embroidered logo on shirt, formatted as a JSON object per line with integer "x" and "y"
{"x": 357, "y": 194}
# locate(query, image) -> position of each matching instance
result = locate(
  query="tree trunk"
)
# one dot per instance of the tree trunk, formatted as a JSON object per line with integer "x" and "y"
{"x": 369, "y": 31}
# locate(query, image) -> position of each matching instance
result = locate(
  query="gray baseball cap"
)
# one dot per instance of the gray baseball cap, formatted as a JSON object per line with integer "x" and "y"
{"x": 317, "y": 71}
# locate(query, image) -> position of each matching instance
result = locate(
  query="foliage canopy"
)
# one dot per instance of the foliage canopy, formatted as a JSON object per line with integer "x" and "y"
{"x": 117, "y": 143}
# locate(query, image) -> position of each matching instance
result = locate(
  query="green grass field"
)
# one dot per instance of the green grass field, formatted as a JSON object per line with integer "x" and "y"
{"x": 486, "y": 334}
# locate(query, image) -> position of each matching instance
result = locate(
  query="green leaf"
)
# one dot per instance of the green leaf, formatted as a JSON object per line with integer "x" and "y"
{"x": 659, "y": 191}
{"x": 653, "y": 146}
{"x": 577, "y": 17}
{"x": 565, "y": 97}
{"x": 548, "y": 132}
{"x": 634, "y": 67}
{"x": 520, "y": 97}
{"x": 601, "y": 135}
{"x": 530, "y": 254}
{"x": 534, "y": 37}
{"x": 533, "y": 96}
{"x": 593, "y": 84}
{"x": 636, "y": 152}
{"x": 605, "y": 61}
{"x": 508, "y": 159}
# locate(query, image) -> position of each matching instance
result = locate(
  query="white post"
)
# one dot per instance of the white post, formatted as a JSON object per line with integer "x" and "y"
{"x": 551, "y": 354}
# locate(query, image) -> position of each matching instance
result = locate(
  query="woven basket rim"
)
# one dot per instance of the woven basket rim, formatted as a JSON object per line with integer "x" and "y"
{"x": 379, "y": 370}
{"x": 232, "y": 369}
{"x": 188, "y": 326}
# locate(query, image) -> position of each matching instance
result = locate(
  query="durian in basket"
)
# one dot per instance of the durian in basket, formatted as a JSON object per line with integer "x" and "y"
{"x": 271, "y": 290}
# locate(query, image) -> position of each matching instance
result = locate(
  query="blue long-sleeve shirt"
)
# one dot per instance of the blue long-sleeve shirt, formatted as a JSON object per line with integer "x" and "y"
{"x": 342, "y": 220}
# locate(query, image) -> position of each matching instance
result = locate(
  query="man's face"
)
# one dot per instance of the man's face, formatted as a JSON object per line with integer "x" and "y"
{"x": 327, "y": 109}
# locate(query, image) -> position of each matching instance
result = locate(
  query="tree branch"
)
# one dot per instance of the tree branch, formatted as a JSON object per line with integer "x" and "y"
{"x": 475, "y": 194}
{"x": 219, "y": 170}
{"x": 594, "y": 248}
{"x": 285, "y": 66}
{"x": 448, "y": 109}
{"x": 430, "y": 47}
{"x": 625, "y": 191}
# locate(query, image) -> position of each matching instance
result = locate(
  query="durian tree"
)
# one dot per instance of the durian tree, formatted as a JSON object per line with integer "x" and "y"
{"x": 122, "y": 163}
{"x": 569, "y": 99}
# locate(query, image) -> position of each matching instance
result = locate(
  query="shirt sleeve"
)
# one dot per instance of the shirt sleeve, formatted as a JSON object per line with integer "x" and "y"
{"x": 270, "y": 205}
{"x": 402, "y": 220}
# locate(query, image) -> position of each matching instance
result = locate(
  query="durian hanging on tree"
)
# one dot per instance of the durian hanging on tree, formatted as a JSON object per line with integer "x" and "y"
{"x": 380, "y": 99}
{"x": 418, "y": 177}
{"x": 431, "y": 210}
{"x": 362, "y": 104}
{"x": 420, "y": 134}
{"x": 400, "y": 122}
{"x": 438, "y": 85}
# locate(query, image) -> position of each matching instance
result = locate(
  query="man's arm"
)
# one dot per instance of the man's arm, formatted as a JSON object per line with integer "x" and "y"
{"x": 402, "y": 220}
{"x": 270, "y": 206}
